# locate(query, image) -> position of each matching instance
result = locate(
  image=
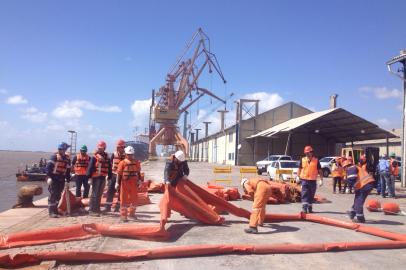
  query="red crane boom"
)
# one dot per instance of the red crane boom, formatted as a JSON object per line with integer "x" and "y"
{"x": 181, "y": 82}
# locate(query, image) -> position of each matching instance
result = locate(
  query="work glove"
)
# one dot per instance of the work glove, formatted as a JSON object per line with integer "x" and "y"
{"x": 297, "y": 180}
{"x": 72, "y": 175}
{"x": 49, "y": 181}
{"x": 117, "y": 186}
{"x": 90, "y": 181}
{"x": 320, "y": 183}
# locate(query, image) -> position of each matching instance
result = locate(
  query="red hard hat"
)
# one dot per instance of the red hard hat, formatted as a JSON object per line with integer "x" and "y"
{"x": 120, "y": 143}
{"x": 390, "y": 208}
{"x": 308, "y": 149}
{"x": 373, "y": 205}
{"x": 101, "y": 144}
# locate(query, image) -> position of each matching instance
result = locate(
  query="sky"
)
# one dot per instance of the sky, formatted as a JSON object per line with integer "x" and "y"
{"x": 90, "y": 65}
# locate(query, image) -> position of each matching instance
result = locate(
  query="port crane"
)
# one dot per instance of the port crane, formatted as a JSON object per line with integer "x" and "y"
{"x": 169, "y": 102}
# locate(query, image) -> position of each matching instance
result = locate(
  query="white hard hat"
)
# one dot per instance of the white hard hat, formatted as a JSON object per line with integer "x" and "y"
{"x": 180, "y": 156}
{"x": 243, "y": 181}
{"x": 129, "y": 150}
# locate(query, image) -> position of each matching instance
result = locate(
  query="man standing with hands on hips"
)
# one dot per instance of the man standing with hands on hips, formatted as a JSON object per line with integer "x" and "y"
{"x": 307, "y": 175}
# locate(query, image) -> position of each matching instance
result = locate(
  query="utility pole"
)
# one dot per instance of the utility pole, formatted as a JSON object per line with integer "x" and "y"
{"x": 206, "y": 143}
{"x": 197, "y": 144}
{"x": 401, "y": 73}
{"x": 73, "y": 139}
{"x": 185, "y": 113}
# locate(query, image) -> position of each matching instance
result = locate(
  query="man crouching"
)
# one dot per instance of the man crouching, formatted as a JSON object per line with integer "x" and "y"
{"x": 260, "y": 189}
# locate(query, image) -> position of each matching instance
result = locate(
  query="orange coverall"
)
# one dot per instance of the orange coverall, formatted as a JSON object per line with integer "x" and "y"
{"x": 129, "y": 172}
{"x": 261, "y": 190}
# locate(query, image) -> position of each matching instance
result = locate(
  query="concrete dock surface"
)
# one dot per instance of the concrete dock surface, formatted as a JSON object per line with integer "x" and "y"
{"x": 188, "y": 232}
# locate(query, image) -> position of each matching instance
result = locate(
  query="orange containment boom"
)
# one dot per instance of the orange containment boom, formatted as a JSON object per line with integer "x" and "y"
{"x": 80, "y": 232}
{"x": 7, "y": 260}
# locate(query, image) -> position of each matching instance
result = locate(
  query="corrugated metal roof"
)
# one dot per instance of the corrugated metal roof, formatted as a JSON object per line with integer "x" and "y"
{"x": 336, "y": 123}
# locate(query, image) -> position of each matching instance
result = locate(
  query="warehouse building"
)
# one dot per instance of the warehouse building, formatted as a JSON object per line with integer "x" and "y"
{"x": 285, "y": 130}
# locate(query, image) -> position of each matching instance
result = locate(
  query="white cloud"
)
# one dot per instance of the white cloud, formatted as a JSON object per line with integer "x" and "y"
{"x": 16, "y": 100}
{"x": 3, "y": 124}
{"x": 74, "y": 109}
{"x": 3, "y": 91}
{"x": 381, "y": 92}
{"x": 383, "y": 122}
{"x": 267, "y": 100}
{"x": 32, "y": 114}
{"x": 140, "y": 109}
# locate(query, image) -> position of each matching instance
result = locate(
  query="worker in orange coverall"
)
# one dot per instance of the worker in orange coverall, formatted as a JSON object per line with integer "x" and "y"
{"x": 260, "y": 189}
{"x": 128, "y": 177}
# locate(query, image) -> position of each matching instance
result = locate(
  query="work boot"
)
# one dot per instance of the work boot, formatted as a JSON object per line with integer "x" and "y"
{"x": 117, "y": 208}
{"x": 123, "y": 219}
{"x": 351, "y": 214}
{"x": 360, "y": 219}
{"x": 53, "y": 215}
{"x": 310, "y": 209}
{"x": 304, "y": 209}
{"x": 253, "y": 230}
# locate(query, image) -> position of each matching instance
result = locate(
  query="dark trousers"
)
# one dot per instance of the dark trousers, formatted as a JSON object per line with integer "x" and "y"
{"x": 111, "y": 191}
{"x": 82, "y": 180}
{"x": 349, "y": 183}
{"x": 359, "y": 200}
{"x": 55, "y": 192}
{"x": 337, "y": 181}
{"x": 308, "y": 191}
{"x": 98, "y": 184}
{"x": 386, "y": 184}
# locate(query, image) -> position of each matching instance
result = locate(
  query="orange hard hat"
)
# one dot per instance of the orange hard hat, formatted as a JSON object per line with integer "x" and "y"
{"x": 308, "y": 149}
{"x": 390, "y": 208}
{"x": 120, "y": 143}
{"x": 101, "y": 144}
{"x": 373, "y": 205}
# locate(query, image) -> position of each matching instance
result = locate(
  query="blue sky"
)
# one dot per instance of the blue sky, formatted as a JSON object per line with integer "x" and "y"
{"x": 83, "y": 64}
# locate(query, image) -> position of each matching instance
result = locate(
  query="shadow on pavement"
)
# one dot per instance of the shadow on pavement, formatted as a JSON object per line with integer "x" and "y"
{"x": 178, "y": 230}
{"x": 384, "y": 222}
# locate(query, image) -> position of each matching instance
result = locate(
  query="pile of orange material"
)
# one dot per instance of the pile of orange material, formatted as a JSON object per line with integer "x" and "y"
{"x": 227, "y": 193}
{"x": 154, "y": 187}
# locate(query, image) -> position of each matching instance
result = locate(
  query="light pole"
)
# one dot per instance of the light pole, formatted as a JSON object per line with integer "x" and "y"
{"x": 401, "y": 73}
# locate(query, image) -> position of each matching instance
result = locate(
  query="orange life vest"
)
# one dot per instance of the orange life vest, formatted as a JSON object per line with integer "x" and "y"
{"x": 394, "y": 170}
{"x": 131, "y": 169}
{"x": 102, "y": 165}
{"x": 61, "y": 164}
{"x": 82, "y": 162}
{"x": 364, "y": 178}
{"x": 117, "y": 157}
{"x": 309, "y": 170}
{"x": 338, "y": 171}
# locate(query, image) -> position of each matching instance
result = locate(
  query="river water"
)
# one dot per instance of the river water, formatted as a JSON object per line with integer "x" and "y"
{"x": 10, "y": 162}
